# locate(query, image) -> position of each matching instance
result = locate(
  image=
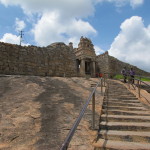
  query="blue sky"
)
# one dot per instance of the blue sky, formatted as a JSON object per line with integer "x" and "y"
{"x": 120, "y": 26}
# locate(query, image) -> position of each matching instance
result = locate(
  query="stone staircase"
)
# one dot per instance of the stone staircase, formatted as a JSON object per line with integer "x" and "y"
{"x": 125, "y": 122}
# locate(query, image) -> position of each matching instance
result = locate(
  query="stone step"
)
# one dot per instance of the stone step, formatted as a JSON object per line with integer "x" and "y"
{"x": 121, "y": 104}
{"x": 102, "y": 144}
{"x": 123, "y": 100}
{"x": 122, "y": 97}
{"x": 121, "y": 91}
{"x": 123, "y": 112}
{"x": 121, "y": 94}
{"x": 118, "y": 90}
{"x": 130, "y": 136}
{"x": 125, "y": 123}
{"x": 125, "y": 95}
{"x": 116, "y": 85}
{"x": 123, "y": 108}
{"x": 130, "y": 126}
{"x": 125, "y": 118}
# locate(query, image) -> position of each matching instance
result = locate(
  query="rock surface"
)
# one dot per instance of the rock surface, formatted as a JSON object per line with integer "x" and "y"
{"x": 36, "y": 113}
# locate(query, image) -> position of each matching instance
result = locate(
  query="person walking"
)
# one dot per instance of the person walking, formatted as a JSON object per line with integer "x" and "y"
{"x": 124, "y": 73}
{"x": 132, "y": 74}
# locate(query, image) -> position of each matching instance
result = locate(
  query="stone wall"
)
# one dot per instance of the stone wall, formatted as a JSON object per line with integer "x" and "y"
{"x": 113, "y": 66}
{"x": 54, "y": 60}
{"x": 102, "y": 63}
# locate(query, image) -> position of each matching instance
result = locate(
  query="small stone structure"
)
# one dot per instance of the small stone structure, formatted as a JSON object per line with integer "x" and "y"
{"x": 85, "y": 57}
{"x": 59, "y": 59}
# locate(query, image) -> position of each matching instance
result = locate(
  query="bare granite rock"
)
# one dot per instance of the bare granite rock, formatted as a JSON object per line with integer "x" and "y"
{"x": 37, "y": 112}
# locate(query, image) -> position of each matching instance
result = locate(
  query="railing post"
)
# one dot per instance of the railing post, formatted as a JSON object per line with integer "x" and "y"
{"x": 107, "y": 91}
{"x": 93, "y": 111}
{"x": 101, "y": 87}
{"x": 139, "y": 88}
{"x": 140, "y": 82}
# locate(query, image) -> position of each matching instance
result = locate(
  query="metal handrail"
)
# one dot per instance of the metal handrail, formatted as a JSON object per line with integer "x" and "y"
{"x": 77, "y": 121}
{"x": 139, "y": 82}
{"x": 142, "y": 76}
{"x": 142, "y": 81}
{"x": 128, "y": 76}
{"x": 138, "y": 85}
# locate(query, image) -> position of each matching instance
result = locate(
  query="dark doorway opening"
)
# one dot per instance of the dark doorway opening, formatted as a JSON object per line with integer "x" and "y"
{"x": 87, "y": 67}
{"x": 78, "y": 62}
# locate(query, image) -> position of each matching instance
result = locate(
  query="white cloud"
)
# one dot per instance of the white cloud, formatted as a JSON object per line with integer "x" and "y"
{"x": 74, "y": 40}
{"x": 132, "y": 44}
{"x": 60, "y": 20}
{"x": 135, "y": 3}
{"x": 77, "y": 8}
{"x": 11, "y": 38}
{"x": 51, "y": 28}
{"x": 121, "y": 3}
{"x": 20, "y": 24}
{"x": 98, "y": 50}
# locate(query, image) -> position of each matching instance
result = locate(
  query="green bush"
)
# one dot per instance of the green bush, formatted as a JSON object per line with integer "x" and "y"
{"x": 143, "y": 79}
{"x": 118, "y": 76}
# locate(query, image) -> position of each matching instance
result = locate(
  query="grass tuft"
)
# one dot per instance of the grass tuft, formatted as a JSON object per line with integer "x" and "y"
{"x": 119, "y": 76}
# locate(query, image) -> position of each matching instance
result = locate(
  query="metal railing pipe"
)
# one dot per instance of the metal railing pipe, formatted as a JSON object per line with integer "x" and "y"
{"x": 142, "y": 76}
{"x": 77, "y": 121}
{"x": 93, "y": 111}
{"x": 143, "y": 82}
{"x": 139, "y": 86}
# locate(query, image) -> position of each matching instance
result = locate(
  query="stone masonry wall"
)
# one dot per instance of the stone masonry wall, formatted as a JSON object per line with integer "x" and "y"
{"x": 102, "y": 63}
{"x": 55, "y": 60}
{"x": 113, "y": 66}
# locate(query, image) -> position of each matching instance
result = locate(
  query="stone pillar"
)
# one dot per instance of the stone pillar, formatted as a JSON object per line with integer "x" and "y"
{"x": 93, "y": 69}
{"x": 82, "y": 67}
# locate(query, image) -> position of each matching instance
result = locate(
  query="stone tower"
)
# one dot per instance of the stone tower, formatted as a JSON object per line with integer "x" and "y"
{"x": 85, "y": 57}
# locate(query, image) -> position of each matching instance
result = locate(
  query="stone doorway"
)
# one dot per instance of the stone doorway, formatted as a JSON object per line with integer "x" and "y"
{"x": 87, "y": 67}
{"x": 78, "y": 62}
